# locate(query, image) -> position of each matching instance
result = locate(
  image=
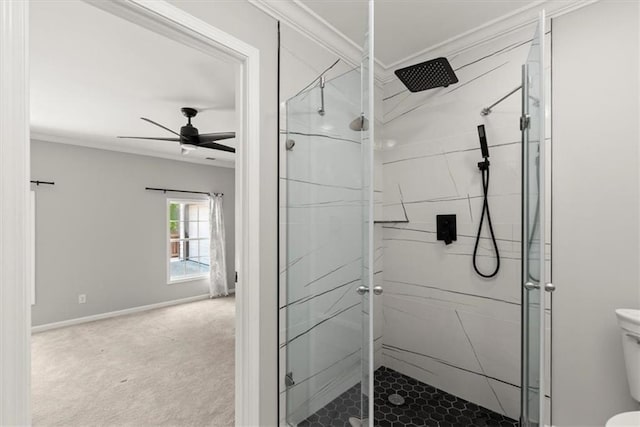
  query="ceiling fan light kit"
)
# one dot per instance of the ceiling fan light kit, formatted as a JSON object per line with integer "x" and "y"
{"x": 189, "y": 137}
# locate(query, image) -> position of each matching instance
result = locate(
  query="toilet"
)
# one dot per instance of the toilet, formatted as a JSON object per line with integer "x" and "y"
{"x": 629, "y": 321}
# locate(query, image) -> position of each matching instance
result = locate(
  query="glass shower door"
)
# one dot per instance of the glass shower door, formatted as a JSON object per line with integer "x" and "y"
{"x": 533, "y": 125}
{"x": 328, "y": 206}
{"x": 327, "y": 298}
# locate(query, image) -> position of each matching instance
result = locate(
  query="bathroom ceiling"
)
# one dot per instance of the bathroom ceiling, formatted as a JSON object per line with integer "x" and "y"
{"x": 93, "y": 75}
{"x": 406, "y": 27}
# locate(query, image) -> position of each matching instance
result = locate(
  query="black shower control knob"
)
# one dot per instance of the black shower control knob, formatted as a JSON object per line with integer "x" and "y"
{"x": 446, "y": 228}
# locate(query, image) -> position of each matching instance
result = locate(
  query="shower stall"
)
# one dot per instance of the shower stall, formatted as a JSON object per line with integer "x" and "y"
{"x": 385, "y": 317}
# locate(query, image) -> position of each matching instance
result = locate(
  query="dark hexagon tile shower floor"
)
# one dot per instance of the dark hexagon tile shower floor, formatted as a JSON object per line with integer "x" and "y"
{"x": 424, "y": 406}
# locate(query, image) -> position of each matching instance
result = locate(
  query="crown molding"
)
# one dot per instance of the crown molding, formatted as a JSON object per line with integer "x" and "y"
{"x": 514, "y": 21}
{"x": 316, "y": 28}
{"x": 310, "y": 24}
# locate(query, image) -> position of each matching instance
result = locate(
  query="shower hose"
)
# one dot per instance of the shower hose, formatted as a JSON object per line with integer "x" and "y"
{"x": 484, "y": 168}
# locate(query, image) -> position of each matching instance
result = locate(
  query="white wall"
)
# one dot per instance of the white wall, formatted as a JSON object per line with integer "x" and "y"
{"x": 444, "y": 324}
{"x": 100, "y": 233}
{"x": 595, "y": 209}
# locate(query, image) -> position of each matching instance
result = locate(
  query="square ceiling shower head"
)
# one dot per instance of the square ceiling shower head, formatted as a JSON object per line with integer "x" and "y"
{"x": 427, "y": 75}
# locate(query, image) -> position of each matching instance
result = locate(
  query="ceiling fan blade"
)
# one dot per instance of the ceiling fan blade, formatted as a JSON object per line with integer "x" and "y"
{"x": 144, "y": 137}
{"x": 217, "y": 136}
{"x": 159, "y": 125}
{"x": 215, "y": 146}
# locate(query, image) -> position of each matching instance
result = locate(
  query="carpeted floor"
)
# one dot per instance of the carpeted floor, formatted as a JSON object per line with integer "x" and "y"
{"x": 171, "y": 366}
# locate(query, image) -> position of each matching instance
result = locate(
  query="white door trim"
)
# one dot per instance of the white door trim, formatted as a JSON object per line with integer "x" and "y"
{"x": 15, "y": 315}
{"x": 15, "y": 295}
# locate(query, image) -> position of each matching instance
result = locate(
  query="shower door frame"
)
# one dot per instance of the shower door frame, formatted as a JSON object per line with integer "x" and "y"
{"x": 367, "y": 105}
{"x": 302, "y": 103}
{"x": 368, "y": 65}
{"x": 527, "y": 285}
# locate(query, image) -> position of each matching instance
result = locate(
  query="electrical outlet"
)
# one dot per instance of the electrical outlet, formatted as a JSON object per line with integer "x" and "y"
{"x": 82, "y": 299}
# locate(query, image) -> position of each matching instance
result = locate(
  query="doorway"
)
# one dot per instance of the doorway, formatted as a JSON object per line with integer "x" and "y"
{"x": 179, "y": 25}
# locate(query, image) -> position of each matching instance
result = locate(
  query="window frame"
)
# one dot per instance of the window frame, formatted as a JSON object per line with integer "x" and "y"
{"x": 167, "y": 231}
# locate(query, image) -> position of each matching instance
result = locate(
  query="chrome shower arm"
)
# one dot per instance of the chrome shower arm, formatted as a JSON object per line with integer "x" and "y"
{"x": 322, "y": 83}
{"x": 487, "y": 110}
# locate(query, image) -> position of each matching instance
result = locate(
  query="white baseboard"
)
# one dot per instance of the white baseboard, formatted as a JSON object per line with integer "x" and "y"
{"x": 79, "y": 320}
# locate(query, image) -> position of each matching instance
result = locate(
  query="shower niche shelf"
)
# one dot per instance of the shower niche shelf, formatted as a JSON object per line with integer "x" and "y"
{"x": 395, "y": 221}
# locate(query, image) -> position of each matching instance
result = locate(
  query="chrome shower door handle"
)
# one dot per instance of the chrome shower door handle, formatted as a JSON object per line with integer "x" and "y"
{"x": 549, "y": 287}
{"x": 361, "y": 290}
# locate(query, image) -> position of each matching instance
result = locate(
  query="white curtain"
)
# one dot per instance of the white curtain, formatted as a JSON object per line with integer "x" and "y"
{"x": 218, "y": 271}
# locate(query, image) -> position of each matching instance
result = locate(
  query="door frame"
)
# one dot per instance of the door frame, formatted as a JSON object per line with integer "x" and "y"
{"x": 15, "y": 258}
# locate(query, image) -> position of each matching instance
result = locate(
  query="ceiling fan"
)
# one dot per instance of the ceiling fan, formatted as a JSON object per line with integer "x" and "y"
{"x": 189, "y": 138}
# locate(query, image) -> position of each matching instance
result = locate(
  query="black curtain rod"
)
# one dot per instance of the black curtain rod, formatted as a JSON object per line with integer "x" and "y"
{"x": 164, "y": 190}
{"x": 43, "y": 182}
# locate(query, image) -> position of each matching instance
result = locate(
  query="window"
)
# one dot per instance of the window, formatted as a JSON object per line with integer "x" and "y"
{"x": 188, "y": 237}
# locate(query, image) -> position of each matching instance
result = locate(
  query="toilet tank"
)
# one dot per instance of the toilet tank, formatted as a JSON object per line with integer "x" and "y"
{"x": 629, "y": 321}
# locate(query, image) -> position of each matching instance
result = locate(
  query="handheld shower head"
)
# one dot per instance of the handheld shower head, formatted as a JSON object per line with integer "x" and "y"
{"x": 484, "y": 170}
{"x": 483, "y": 142}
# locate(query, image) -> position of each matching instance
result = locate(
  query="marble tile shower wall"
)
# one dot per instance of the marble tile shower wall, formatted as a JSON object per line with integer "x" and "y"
{"x": 301, "y": 61}
{"x": 443, "y": 324}
{"x": 321, "y": 231}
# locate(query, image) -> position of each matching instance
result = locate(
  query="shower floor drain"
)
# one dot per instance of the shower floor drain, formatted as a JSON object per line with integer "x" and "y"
{"x": 396, "y": 399}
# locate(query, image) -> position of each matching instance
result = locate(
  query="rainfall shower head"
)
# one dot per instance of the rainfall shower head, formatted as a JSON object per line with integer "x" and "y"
{"x": 427, "y": 75}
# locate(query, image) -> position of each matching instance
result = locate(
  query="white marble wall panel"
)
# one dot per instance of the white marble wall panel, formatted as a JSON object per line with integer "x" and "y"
{"x": 443, "y": 324}
{"x": 324, "y": 326}
{"x": 415, "y": 257}
{"x": 324, "y": 322}
{"x": 301, "y": 61}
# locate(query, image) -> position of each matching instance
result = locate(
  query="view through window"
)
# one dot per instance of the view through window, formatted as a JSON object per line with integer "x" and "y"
{"x": 189, "y": 234}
